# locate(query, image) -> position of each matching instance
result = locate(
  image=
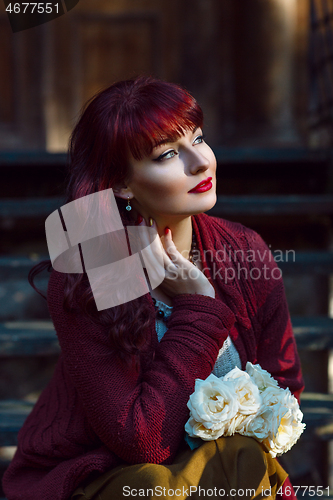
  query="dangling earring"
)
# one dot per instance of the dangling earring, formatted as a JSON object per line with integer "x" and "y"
{"x": 128, "y": 205}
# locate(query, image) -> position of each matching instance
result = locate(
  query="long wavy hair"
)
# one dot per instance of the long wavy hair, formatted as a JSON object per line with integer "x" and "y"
{"x": 128, "y": 118}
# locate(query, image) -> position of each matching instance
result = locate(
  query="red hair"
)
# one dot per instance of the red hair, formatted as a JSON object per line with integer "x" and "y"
{"x": 128, "y": 118}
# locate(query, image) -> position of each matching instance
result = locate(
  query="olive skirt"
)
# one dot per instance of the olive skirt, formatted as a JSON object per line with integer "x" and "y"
{"x": 234, "y": 467}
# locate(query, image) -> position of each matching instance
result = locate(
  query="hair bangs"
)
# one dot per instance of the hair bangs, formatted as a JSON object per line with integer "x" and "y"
{"x": 162, "y": 123}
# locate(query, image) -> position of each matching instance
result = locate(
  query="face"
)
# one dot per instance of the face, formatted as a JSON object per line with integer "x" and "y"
{"x": 161, "y": 183}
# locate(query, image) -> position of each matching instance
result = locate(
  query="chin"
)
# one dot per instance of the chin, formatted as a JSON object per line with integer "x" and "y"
{"x": 211, "y": 202}
{"x": 206, "y": 205}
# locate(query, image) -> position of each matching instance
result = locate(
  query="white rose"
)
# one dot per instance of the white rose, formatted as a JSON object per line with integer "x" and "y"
{"x": 261, "y": 377}
{"x": 274, "y": 395}
{"x": 261, "y": 426}
{"x": 281, "y": 401}
{"x": 212, "y": 405}
{"x": 288, "y": 418}
{"x": 249, "y": 399}
{"x": 293, "y": 431}
{"x": 198, "y": 429}
{"x": 285, "y": 438}
{"x": 239, "y": 424}
{"x": 223, "y": 406}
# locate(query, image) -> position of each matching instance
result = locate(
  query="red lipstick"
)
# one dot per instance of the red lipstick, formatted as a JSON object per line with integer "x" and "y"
{"x": 203, "y": 186}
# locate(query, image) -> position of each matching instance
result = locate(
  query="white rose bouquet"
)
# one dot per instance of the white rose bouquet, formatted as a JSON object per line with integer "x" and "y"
{"x": 245, "y": 402}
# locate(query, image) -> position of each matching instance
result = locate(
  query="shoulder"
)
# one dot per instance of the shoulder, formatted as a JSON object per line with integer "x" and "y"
{"x": 58, "y": 282}
{"x": 219, "y": 225}
{"x": 55, "y": 299}
{"x": 240, "y": 235}
{"x": 55, "y": 289}
{"x": 247, "y": 252}
{"x": 59, "y": 308}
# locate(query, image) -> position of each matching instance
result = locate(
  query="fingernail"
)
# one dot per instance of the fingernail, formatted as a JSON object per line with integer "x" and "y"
{"x": 139, "y": 219}
{"x": 166, "y": 230}
{"x": 151, "y": 222}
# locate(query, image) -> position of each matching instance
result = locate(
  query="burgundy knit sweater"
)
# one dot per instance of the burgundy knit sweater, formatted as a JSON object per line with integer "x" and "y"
{"x": 95, "y": 414}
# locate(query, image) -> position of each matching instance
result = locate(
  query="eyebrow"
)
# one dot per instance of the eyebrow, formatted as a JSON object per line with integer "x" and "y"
{"x": 170, "y": 139}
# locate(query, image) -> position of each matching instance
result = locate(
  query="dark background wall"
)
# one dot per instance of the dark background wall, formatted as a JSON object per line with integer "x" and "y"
{"x": 247, "y": 63}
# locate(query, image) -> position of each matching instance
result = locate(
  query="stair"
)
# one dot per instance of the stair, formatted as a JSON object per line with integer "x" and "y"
{"x": 226, "y": 205}
{"x": 28, "y": 338}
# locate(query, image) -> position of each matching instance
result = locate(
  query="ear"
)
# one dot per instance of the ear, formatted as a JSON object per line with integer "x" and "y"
{"x": 123, "y": 192}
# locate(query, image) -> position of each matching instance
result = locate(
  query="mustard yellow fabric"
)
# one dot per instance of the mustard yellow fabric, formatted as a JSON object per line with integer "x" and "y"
{"x": 235, "y": 467}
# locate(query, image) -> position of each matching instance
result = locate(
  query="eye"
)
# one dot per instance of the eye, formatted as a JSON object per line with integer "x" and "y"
{"x": 199, "y": 139}
{"x": 167, "y": 155}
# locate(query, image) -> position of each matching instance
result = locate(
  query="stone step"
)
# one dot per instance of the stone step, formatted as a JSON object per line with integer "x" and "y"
{"x": 255, "y": 156}
{"x": 12, "y": 416}
{"x": 35, "y": 158}
{"x": 313, "y": 332}
{"x": 317, "y": 410}
{"x": 38, "y": 338}
{"x": 18, "y": 267}
{"x": 29, "y": 207}
{"x": 223, "y": 154}
{"x": 295, "y": 262}
{"x": 28, "y": 338}
{"x": 226, "y": 205}
{"x": 272, "y": 205}
{"x": 305, "y": 262}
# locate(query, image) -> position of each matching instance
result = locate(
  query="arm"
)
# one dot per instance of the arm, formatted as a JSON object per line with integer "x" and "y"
{"x": 277, "y": 350}
{"x": 141, "y": 416}
{"x": 276, "y": 345}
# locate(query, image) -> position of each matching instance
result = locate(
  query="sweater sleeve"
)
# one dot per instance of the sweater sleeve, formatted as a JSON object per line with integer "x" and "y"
{"x": 140, "y": 416}
{"x": 277, "y": 350}
{"x": 276, "y": 345}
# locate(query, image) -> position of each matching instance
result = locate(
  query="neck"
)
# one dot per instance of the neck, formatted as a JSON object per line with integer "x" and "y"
{"x": 181, "y": 231}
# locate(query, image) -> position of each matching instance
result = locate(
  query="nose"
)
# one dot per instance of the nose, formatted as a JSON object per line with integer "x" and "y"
{"x": 197, "y": 162}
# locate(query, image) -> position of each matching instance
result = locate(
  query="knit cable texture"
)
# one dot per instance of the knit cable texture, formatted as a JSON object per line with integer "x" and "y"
{"x": 95, "y": 414}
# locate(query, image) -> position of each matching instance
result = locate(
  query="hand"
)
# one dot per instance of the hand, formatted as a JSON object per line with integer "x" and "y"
{"x": 181, "y": 276}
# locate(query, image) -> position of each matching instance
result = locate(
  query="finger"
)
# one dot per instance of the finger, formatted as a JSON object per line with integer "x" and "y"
{"x": 139, "y": 219}
{"x": 167, "y": 261}
{"x": 153, "y": 259}
{"x": 171, "y": 248}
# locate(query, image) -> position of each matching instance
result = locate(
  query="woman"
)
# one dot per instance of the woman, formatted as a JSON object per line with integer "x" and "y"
{"x": 119, "y": 394}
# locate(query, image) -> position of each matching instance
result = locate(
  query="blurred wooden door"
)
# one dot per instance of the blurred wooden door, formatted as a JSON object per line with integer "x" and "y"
{"x": 53, "y": 69}
{"x": 250, "y": 90}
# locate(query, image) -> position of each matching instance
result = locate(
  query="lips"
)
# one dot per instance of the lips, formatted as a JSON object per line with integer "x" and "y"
{"x": 202, "y": 184}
